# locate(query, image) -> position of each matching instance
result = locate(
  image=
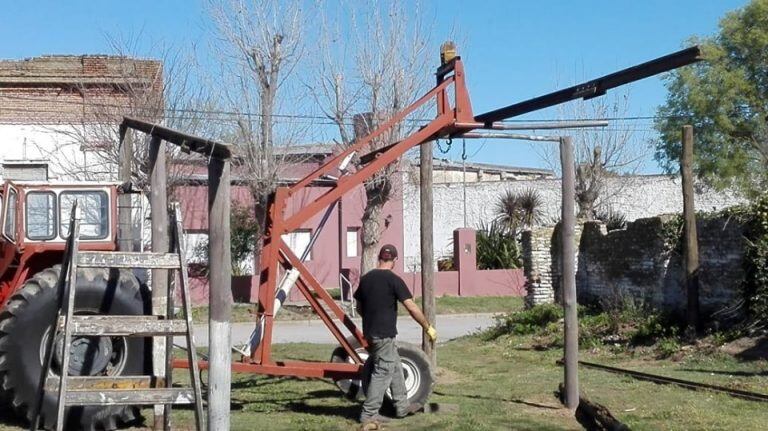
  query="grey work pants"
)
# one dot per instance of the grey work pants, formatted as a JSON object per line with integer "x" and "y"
{"x": 386, "y": 373}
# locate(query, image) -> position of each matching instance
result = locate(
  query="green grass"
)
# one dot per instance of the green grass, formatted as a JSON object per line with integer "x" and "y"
{"x": 474, "y": 305}
{"x": 647, "y": 406}
{"x": 508, "y": 383}
{"x": 444, "y": 305}
{"x": 475, "y": 377}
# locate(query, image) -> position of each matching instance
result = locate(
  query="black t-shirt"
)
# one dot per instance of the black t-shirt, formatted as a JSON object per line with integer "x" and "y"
{"x": 377, "y": 294}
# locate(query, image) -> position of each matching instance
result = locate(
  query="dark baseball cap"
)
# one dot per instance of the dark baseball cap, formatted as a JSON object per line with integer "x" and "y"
{"x": 388, "y": 252}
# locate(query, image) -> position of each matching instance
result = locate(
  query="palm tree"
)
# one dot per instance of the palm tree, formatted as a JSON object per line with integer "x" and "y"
{"x": 519, "y": 210}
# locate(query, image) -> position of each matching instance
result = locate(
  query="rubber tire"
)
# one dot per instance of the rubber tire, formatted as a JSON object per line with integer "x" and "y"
{"x": 354, "y": 389}
{"x": 31, "y": 311}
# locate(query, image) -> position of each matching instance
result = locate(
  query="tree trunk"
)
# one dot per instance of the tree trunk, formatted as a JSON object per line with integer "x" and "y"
{"x": 370, "y": 235}
{"x": 260, "y": 215}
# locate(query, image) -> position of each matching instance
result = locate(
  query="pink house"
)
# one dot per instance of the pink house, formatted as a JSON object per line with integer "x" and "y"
{"x": 338, "y": 248}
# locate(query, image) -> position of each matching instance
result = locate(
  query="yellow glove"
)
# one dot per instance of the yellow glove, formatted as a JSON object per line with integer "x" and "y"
{"x": 432, "y": 333}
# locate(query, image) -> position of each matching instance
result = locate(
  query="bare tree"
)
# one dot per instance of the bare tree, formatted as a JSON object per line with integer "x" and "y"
{"x": 372, "y": 68}
{"x": 260, "y": 42}
{"x": 160, "y": 90}
{"x": 600, "y": 153}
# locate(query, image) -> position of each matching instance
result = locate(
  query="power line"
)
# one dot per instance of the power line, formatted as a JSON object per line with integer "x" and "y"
{"x": 318, "y": 117}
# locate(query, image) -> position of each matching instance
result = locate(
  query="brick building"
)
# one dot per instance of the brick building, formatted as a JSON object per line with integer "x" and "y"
{"x": 62, "y": 110}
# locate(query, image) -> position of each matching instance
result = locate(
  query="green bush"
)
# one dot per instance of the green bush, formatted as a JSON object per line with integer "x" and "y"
{"x": 530, "y": 321}
{"x": 667, "y": 347}
{"x": 756, "y": 263}
{"x": 653, "y": 327}
{"x": 620, "y": 325}
{"x": 497, "y": 247}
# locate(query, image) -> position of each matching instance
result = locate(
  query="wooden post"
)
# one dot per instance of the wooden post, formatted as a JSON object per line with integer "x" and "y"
{"x": 690, "y": 243}
{"x": 568, "y": 271}
{"x": 124, "y": 214}
{"x": 220, "y": 297}
{"x": 427, "y": 248}
{"x": 158, "y": 201}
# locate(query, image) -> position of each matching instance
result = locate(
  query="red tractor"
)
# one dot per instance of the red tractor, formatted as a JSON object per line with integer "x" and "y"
{"x": 35, "y": 221}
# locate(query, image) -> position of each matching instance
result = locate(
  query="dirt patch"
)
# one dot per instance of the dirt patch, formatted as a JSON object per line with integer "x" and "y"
{"x": 748, "y": 348}
{"x": 448, "y": 377}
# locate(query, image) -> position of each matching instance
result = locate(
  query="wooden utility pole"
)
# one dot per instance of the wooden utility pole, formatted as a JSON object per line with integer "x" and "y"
{"x": 158, "y": 201}
{"x": 124, "y": 213}
{"x": 690, "y": 243}
{"x": 220, "y": 296}
{"x": 427, "y": 246}
{"x": 568, "y": 272}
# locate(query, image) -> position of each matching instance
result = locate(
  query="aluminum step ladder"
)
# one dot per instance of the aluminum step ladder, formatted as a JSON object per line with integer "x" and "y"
{"x": 122, "y": 390}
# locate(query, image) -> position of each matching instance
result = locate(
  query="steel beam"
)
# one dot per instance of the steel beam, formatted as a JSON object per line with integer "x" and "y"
{"x": 596, "y": 87}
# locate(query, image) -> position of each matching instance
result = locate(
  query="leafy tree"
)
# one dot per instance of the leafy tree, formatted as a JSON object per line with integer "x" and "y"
{"x": 726, "y": 99}
{"x": 244, "y": 233}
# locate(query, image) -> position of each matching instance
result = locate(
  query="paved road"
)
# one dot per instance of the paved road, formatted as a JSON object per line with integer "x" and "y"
{"x": 449, "y": 326}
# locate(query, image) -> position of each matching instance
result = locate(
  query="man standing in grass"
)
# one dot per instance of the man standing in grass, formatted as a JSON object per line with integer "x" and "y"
{"x": 377, "y": 295}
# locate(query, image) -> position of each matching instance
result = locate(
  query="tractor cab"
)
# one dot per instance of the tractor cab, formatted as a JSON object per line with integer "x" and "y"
{"x": 34, "y": 222}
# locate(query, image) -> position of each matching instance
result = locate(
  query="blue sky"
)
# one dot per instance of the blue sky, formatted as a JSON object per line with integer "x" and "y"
{"x": 513, "y": 50}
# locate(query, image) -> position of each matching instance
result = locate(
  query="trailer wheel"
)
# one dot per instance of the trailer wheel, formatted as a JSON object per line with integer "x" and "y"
{"x": 418, "y": 373}
{"x": 26, "y": 323}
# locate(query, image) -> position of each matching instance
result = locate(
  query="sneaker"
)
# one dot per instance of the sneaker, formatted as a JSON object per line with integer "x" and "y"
{"x": 412, "y": 409}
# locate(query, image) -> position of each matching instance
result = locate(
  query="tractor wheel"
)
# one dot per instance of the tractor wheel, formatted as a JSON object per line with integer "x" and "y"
{"x": 26, "y": 323}
{"x": 418, "y": 373}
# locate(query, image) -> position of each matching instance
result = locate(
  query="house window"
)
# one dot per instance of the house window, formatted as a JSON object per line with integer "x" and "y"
{"x": 298, "y": 241}
{"x": 353, "y": 234}
{"x": 41, "y": 215}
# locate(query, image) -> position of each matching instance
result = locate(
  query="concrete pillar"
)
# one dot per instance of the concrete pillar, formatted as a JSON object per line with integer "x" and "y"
{"x": 465, "y": 257}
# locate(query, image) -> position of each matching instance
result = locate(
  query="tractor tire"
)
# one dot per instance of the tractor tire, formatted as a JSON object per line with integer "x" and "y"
{"x": 26, "y": 323}
{"x": 418, "y": 373}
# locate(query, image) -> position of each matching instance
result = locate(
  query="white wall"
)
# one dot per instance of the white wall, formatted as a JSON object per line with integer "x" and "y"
{"x": 51, "y": 143}
{"x": 634, "y": 196}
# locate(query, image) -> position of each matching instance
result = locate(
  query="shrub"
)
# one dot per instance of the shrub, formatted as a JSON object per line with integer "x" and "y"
{"x": 756, "y": 262}
{"x": 497, "y": 247}
{"x": 527, "y": 322}
{"x": 653, "y": 327}
{"x": 614, "y": 220}
{"x": 667, "y": 347}
{"x": 244, "y": 229}
{"x": 446, "y": 264}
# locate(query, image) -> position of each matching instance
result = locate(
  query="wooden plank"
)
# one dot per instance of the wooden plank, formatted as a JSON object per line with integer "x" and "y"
{"x": 186, "y": 303}
{"x": 427, "y": 246}
{"x": 220, "y": 298}
{"x": 69, "y": 304}
{"x": 99, "y": 259}
{"x": 691, "y": 242}
{"x": 568, "y": 272}
{"x": 103, "y": 382}
{"x": 158, "y": 201}
{"x": 129, "y": 397}
{"x": 186, "y": 141}
{"x": 126, "y": 326}
{"x": 124, "y": 215}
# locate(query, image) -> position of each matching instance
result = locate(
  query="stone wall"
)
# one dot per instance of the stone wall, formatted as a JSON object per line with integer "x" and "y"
{"x": 537, "y": 266}
{"x": 634, "y": 196}
{"x": 641, "y": 265}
